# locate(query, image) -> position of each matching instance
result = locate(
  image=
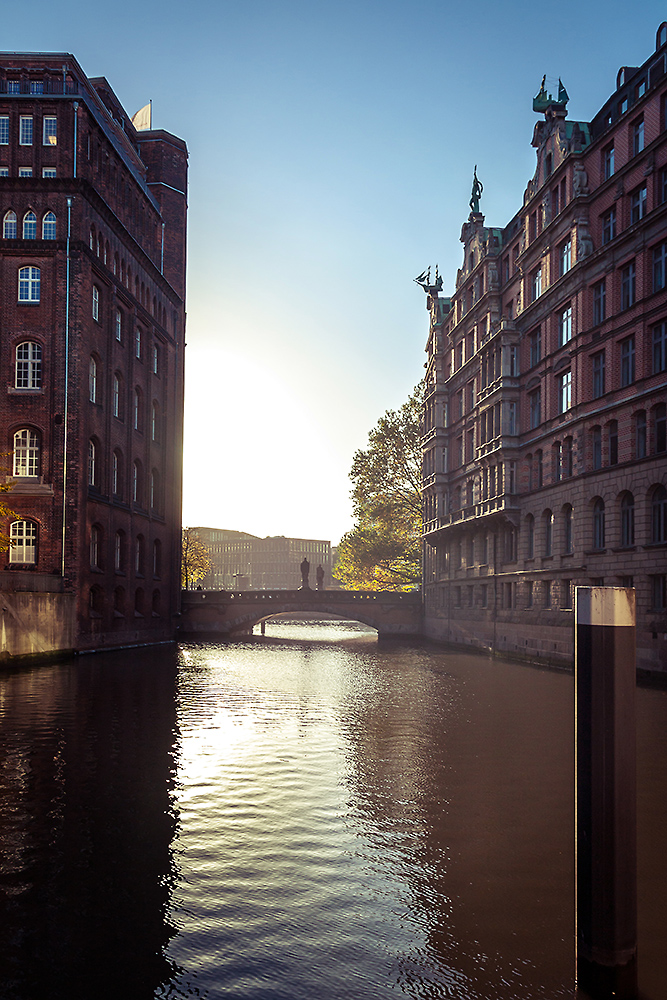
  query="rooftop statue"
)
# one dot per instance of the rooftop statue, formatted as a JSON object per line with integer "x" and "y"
{"x": 477, "y": 188}
{"x": 543, "y": 100}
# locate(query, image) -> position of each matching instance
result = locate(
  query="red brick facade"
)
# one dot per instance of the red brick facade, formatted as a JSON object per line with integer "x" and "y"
{"x": 545, "y": 433}
{"x": 92, "y": 279}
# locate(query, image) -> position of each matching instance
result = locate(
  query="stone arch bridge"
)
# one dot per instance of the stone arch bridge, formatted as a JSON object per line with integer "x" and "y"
{"x": 223, "y": 613}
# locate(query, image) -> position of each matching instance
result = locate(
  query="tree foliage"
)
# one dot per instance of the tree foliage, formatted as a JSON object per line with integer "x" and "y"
{"x": 5, "y": 511}
{"x": 196, "y": 561}
{"x": 383, "y": 549}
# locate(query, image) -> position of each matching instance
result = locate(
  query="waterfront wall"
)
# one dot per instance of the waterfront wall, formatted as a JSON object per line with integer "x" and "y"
{"x": 36, "y": 625}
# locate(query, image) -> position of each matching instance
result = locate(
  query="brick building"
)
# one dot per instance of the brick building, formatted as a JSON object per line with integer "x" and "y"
{"x": 240, "y": 561}
{"x": 545, "y": 432}
{"x": 92, "y": 279}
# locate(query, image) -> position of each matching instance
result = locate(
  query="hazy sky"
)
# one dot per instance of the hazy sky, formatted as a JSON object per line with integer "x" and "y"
{"x": 332, "y": 148}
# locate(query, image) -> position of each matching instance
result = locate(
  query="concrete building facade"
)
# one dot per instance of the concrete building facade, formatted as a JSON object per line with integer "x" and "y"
{"x": 92, "y": 279}
{"x": 545, "y": 429}
{"x": 245, "y": 562}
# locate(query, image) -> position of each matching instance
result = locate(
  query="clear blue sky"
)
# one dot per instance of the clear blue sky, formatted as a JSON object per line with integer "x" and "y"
{"x": 331, "y": 156}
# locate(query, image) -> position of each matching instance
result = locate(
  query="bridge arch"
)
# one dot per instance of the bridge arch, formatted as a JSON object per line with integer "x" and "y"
{"x": 227, "y": 613}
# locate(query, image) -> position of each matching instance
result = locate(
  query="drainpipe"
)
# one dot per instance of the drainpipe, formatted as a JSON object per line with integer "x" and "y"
{"x": 76, "y": 122}
{"x": 66, "y": 393}
{"x": 162, "y": 252}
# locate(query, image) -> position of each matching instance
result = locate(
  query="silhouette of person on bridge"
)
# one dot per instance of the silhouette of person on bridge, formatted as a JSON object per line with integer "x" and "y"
{"x": 320, "y": 577}
{"x": 305, "y": 570}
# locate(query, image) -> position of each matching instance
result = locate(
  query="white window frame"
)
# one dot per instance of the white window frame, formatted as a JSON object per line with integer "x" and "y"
{"x": 49, "y": 172}
{"x": 28, "y": 370}
{"x": 565, "y": 325}
{"x": 10, "y": 226}
{"x": 119, "y": 325}
{"x": 4, "y": 130}
{"x": 92, "y": 464}
{"x": 29, "y": 226}
{"x": 26, "y": 454}
{"x": 137, "y": 342}
{"x": 25, "y": 130}
{"x": 49, "y": 130}
{"x": 565, "y": 391}
{"x": 30, "y": 280}
{"x": 49, "y": 226}
{"x": 23, "y": 535}
{"x": 96, "y": 303}
{"x": 25, "y": 171}
{"x": 92, "y": 380}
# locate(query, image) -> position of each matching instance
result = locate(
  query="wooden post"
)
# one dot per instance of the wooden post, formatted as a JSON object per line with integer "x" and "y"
{"x": 606, "y": 839}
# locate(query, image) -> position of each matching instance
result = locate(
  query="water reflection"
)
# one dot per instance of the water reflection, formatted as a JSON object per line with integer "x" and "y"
{"x": 305, "y": 813}
{"x": 86, "y": 798}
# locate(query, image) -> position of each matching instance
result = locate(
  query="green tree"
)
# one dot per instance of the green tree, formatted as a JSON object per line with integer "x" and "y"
{"x": 195, "y": 561}
{"x": 383, "y": 549}
{"x": 5, "y": 511}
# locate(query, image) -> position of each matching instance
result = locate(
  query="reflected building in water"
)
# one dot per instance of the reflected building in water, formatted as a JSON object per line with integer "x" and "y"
{"x": 545, "y": 423}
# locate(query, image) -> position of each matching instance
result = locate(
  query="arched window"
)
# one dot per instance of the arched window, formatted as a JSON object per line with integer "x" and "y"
{"x": 9, "y": 228}
{"x": 548, "y": 532}
{"x": 155, "y": 490}
{"x": 117, "y": 473}
{"x": 28, "y": 374}
{"x": 119, "y": 325}
{"x": 92, "y": 238}
{"x": 92, "y": 380}
{"x": 119, "y": 552}
{"x": 136, "y": 482}
{"x": 139, "y": 602}
{"x": 117, "y": 393}
{"x": 23, "y": 535}
{"x": 156, "y": 604}
{"x": 568, "y": 524}
{"x": 29, "y": 226}
{"x": 156, "y": 359}
{"x": 49, "y": 226}
{"x": 96, "y": 303}
{"x": 530, "y": 537}
{"x": 659, "y": 515}
{"x": 157, "y": 558}
{"x": 106, "y": 252}
{"x": 627, "y": 520}
{"x": 137, "y": 409}
{"x": 95, "y": 546}
{"x": 155, "y": 421}
{"x": 26, "y": 454}
{"x": 119, "y": 602}
{"x": 96, "y": 602}
{"x": 29, "y": 284}
{"x": 92, "y": 463}
{"x": 598, "y": 524}
{"x": 139, "y": 555}
{"x": 640, "y": 434}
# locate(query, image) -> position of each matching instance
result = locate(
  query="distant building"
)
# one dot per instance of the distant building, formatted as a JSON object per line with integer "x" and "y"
{"x": 246, "y": 562}
{"x": 92, "y": 326}
{"x": 545, "y": 426}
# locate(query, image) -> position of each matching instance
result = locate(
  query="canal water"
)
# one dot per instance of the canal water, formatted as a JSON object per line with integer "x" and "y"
{"x": 304, "y": 814}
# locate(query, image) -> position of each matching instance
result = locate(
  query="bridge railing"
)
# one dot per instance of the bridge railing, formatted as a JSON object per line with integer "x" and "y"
{"x": 314, "y": 596}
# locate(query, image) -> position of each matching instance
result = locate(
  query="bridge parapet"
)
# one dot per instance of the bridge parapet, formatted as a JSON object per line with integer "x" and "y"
{"x": 222, "y": 612}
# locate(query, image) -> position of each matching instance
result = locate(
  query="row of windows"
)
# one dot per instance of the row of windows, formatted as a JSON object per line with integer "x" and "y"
{"x": 97, "y": 603}
{"x": 28, "y": 375}
{"x": 26, "y": 130}
{"x": 101, "y": 248}
{"x": 28, "y": 226}
{"x": 98, "y": 553}
{"x": 27, "y": 171}
{"x": 118, "y": 489}
{"x": 544, "y": 593}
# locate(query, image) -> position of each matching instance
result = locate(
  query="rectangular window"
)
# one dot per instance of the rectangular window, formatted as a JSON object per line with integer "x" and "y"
{"x": 537, "y": 284}
{"x": 514, "y": 360}
{"x": 659, "y": 268}
{"x": 638, "y": 204}
{"x": 512, "y": 423}
{"x": 25, "y": 171}
{"x": 50, "y": 131}
{"x": 25, "y": 130}
{"x": 612, "y": 433}
{"x": 535, "y": 398}
{"x": 564, "y": 391}
{"x": 4, "y": 130}
{"x": 659, "y": 592}
{"x": 637, "y": 136}
{"x": 599, "y": 302}
{"x": 137, "y": 343}
{"x": 535, "y": 339}
{"x": 565, "y": 325}
{"x": 598, "y": 375}
{"x": 119, "y": 325}
{"x": 628, "y": 360}
{"x": 4, "y": 171}
{"x": 659, "y": 348}
{"x": 608, "y": 162}
{"x": 609, "y": 225}
{"x": 546, "y": 588}
{"x": 597, "y": 447}
{"x": 48, "y": 171}
{"x": 640, "y": 434}
{"x": 13, "y": 86}
{"x": 565, "y": 256}
{"x": 96, "y": 303}
{"x": 628, "y": 285}
{"x": 662, "y": 186}
{"x": 36, "y": 86}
